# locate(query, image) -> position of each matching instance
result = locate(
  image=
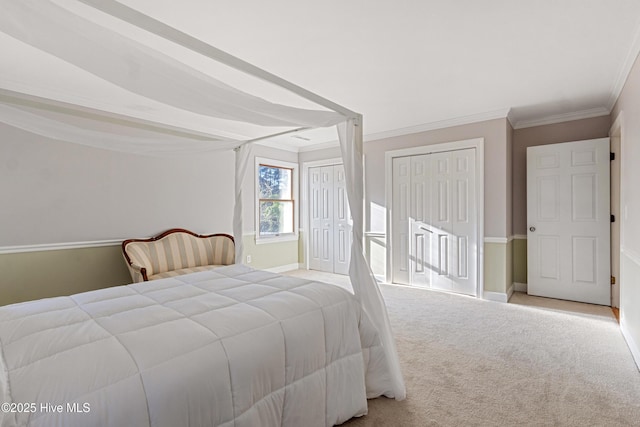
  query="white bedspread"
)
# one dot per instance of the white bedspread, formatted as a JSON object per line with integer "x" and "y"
{"x": 229, "y": 347}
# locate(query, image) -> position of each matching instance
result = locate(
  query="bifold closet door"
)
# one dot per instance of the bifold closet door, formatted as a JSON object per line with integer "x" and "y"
{"x": 434, "y": 221}
{"x": 342, "y": 222}
{"x": 330, "y": 220}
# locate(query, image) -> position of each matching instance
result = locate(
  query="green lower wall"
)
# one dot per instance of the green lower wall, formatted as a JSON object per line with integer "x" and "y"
{"x": 520, "y": 260}
{"x": 270, "y": 255}
{"x": 32, "y": 275}
{"x": 497, "y": 267}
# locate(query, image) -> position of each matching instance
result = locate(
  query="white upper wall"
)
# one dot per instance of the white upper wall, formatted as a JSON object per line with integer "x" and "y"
{"x": 57, "y": 192}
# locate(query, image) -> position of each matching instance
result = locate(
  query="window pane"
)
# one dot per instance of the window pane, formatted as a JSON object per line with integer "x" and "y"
{"x": 276, "y": 218}
{"x": 275, "y": 183}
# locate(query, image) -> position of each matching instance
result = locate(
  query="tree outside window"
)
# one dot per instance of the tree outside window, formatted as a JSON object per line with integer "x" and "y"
{"x": 276, "y": 200}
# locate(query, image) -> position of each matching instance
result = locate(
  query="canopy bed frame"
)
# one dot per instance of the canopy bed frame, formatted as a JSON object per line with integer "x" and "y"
{"x": 88, "y": 38}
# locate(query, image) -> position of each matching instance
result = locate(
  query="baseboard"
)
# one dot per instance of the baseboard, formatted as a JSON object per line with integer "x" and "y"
{"x": 633, "y": 345}
{"x": 509, "y": 292}
{"x": 520, "y": 287}
{"x": 496, "y": 296}
{"x": 283, "y": 268}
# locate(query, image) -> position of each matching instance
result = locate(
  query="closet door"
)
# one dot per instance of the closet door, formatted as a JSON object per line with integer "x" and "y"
{"x": 342, "y": 224}
{"x": 400, "y": 226}
{"x": 454, "y": 223}
{"x": 321, "y": 218}
{"x": 421, "y": 237}
{"x": 434, "y": 221}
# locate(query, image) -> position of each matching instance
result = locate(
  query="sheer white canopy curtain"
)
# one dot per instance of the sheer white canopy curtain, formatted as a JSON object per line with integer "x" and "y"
{"x": 70, "y": 32}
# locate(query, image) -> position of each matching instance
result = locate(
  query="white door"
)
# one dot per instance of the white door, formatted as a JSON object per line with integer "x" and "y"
{"x": 400, "y": 220}
{"x": 435, "y": 221}
{"x": 342, "y": 222}
{"x": 568, "y": 219}
{"x": 330, "y": 220}
{"x": 321, "y": 218}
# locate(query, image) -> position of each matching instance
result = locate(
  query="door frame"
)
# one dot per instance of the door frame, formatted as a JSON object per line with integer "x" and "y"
{"x": 478, "y": 144}
{"x": 617, "y": 132}
{"x": 304, "y": 205}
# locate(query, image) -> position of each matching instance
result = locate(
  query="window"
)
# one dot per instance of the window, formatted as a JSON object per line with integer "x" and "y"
{"x": 275, "y": 204}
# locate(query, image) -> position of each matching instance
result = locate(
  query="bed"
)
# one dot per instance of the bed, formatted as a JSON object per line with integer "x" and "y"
{"x": 286, "y": 352}
{"x": 230, "y": 347}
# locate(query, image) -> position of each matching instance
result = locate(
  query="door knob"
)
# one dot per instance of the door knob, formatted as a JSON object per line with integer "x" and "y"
{"x": 532, "y": 229}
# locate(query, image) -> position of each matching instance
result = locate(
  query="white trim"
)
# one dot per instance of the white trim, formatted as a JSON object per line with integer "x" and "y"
{"x": 520, "y": 287}
{"x": 282, "y": 268}
{"x": 59, "y": 246}
{"x": 510, "y": 292}
{"x": 564, "y": 117}
{"x": 295, "y": 195}
{"x": 631, "y": 343}
{"x": 496, "y": 296}
{"x": 441, "y": 124}
{"x": 276, "y": 239}
{"x": 503, "y": 240}
{"x": 519, "y": 237}
{"x": 304, "y": 202}
{"x": 478, "y": 144}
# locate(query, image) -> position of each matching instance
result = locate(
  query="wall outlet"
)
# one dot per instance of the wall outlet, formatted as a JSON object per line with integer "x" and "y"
{"x": 248, "y": 259}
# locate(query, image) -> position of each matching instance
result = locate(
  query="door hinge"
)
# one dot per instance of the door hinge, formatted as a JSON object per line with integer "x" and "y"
{"x": 613, "y": 218}
{"x": 612, "y": 156}
{"x": 613, "y": 280}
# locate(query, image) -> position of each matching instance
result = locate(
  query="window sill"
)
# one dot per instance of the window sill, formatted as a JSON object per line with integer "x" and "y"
{"x": 276, "y": 239}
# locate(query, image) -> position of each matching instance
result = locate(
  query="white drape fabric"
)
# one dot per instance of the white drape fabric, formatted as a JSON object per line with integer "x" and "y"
{"x": 243, "y": 155}
{"x": 85, "y": 131}
{"x": 141, "y": 69}
{"x": 364, "y": 283}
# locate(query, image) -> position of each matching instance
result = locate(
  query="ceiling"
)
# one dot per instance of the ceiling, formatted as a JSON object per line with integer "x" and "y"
{"x": 411, "y": 65}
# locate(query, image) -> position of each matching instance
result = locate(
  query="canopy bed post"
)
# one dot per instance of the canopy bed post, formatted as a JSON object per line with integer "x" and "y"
{"x": 243, "y": 153}
{"x": 363, "y": 281}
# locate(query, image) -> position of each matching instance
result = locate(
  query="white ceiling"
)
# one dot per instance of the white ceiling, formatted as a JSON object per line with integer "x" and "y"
{"x": 409, "y": 65}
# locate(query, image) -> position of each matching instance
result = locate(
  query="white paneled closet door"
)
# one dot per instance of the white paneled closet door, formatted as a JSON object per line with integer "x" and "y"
{"x": 434, "y": 225}
{"x": 330, "y": 220}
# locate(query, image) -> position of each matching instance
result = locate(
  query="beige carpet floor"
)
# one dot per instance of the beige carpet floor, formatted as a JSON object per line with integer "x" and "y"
{"x": 531, "y": 362}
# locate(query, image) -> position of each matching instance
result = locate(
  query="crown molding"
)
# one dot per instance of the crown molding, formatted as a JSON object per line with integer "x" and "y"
{"x": 623, "y": 73}
{"x": 560, "y": 118}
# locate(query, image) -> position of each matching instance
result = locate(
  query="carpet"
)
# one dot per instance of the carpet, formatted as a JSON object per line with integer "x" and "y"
{"x": 530, "y": 362}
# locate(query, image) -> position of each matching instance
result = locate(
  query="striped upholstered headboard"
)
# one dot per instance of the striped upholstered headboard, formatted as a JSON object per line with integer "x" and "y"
{"x": 176, "y": 251}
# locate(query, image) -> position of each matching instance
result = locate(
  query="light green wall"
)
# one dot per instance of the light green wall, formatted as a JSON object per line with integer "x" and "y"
{"x": 520, "y": 260}
{"x": 32, "y": 275}
{"x": 269, "y": 255}
{"x": 497, "y": 267}
{"x": 376, "y": 252}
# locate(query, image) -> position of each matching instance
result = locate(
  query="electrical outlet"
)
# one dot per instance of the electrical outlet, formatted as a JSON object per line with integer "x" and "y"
{"x": 248, "y": 259}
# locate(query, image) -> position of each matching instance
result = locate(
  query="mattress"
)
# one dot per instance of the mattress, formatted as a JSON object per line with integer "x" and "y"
{"x": 228, "y": 347}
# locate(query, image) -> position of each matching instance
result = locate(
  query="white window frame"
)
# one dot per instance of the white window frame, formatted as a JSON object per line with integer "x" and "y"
{"x": 294, "y": 194}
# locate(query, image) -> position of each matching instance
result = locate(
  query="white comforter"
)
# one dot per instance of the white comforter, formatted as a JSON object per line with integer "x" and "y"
{"x": 229, "y": 347}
